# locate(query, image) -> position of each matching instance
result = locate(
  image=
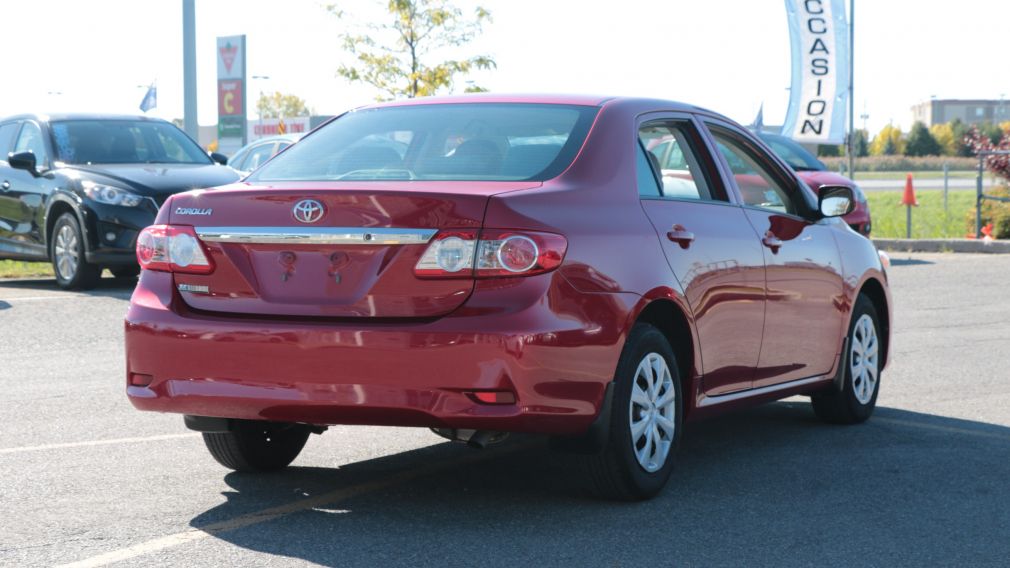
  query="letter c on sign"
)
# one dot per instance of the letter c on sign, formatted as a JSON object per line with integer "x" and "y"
{"x": 817, "y": 3}
{"x": 228, "y": 106}
{"x": 822, "y": 29}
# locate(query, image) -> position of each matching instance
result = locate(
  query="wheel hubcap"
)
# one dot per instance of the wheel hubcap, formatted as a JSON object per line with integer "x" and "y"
{"x": 66, "y": 252}
{"x": 863, "y": 359}
{"x": 652, "y": 412}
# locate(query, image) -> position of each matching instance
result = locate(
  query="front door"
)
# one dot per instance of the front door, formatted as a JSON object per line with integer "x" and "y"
{"x": 711, "y": 248}
{"x": 806, "y": 306}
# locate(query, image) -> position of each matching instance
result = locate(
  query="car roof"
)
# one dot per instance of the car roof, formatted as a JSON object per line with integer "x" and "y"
{"x": 543, "y": 98}
{"x": 47, "y": 117}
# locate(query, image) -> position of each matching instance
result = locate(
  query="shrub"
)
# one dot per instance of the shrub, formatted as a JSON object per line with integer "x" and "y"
{"x": 995, "y": 212}
{"x": 905, "y": 163}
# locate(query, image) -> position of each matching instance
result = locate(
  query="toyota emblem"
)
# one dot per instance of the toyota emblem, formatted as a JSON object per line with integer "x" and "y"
{"x": 308, "y": 211}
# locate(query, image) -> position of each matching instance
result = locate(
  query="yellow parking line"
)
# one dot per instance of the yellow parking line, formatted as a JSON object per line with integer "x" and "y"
{"x": 94, "y": 443}
{"x": 330, "y": 498}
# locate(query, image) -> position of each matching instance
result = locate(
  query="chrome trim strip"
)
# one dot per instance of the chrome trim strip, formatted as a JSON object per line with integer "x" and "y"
{"x": 316, "y": 235}
{"x": 719, "y": 399}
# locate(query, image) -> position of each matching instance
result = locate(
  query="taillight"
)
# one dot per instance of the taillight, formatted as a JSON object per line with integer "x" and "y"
{"x": 461, "y": 254}
{"x": 172, "y": 248}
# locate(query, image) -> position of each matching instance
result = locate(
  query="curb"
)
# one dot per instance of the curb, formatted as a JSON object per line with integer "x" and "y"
{"x": 943, "y": 245}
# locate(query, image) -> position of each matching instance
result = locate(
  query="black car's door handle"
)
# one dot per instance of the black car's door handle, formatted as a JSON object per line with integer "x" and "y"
{"x": 681, "y": 236}
{"x": 5, "y": 185}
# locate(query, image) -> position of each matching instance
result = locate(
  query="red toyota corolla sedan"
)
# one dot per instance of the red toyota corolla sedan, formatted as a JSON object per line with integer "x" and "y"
{"x": 489, "y": 264}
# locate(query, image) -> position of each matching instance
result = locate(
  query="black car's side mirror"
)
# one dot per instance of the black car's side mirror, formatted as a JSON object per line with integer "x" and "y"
{"x": 23, "y": 161}
{"x": 836, "y": 200}
{"x": 219, "y": 158}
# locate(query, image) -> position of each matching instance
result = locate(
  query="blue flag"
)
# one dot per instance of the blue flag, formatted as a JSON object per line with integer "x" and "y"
{"x": 150, "y": 99}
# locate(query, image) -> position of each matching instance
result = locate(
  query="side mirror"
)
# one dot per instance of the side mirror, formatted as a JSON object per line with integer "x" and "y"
{"x": 836, "y": 200}
{"x": 219, "y": 158}
{"x": 23, "y": 161}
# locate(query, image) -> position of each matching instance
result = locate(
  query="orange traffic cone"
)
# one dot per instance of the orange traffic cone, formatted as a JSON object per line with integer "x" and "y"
{"x": 908, "y": 198}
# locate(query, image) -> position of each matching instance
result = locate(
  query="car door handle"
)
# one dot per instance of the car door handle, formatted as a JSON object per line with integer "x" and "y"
{"x": 772, "y": 242}
{"x": 5, "y": 185}
{"x": 681, "y": 236}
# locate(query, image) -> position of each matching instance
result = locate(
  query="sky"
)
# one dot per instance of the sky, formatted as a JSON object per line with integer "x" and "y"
{"x": 730, "y": 56}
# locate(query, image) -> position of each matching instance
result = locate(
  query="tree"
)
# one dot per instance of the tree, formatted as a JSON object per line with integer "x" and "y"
{"x": 829, "y": 150}
{"x": 921, "y": 142}
{"x": 279, "y": 105}
{"x": 888, "y": 142}
{"x": 961, "y": 131}
{"x": 395, "y": 56}
{"x": 944, "y": 136}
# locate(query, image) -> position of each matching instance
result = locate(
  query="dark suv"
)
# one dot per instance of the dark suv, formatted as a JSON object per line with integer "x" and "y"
{"x": 76, "y": 189}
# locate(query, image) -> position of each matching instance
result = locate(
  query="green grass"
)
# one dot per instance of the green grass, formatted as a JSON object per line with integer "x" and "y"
{"x": 929, "y": 220}
{"x": 917, "y": 175}
{"x": 19, "y": 269}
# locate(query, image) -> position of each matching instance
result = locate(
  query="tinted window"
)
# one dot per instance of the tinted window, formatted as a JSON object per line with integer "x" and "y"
{"x": 30, "y": 140}
{"x": 494, "y": 142}
{"x": 758, "y": 186}
{"x": 124, "y": 142}
{"x": 7, "y": 132}
{"x": 670, "y": 152}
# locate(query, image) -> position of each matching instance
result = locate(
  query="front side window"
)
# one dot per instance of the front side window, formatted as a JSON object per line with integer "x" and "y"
{"x": 258, "y": 156}
{"x": 443, "y": 142}
{"x": 758, "y": 186}
{"x": 30, "y": 140}
{"x": 124, "y": 142}
{"x": 669, "y": 150}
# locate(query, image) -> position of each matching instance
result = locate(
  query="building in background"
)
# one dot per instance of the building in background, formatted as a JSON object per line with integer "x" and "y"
{"x": 970, "y": 111}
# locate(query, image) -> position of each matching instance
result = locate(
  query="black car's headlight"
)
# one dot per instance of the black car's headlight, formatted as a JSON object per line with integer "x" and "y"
{"x": 110, "y": 195}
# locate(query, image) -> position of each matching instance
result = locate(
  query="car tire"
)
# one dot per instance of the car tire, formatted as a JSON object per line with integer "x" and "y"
{"x": 255, "y": 446}
{"x": 125, "y": 272}
{"x": 855, "y": 402}
{"x": 67, "y": 253}
{"x": 633, "y": 467}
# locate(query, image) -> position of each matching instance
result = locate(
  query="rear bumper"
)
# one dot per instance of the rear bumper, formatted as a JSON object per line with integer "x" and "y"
{"x": 553, "y": 347}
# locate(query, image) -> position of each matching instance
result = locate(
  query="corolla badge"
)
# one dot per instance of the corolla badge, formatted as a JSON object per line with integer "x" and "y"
{"x": 308, "y": 211}
{"x": 192, "y": 211}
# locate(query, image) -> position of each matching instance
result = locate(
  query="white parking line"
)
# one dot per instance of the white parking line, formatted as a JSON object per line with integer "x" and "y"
{"x": 60, "y": 297}
{"x": 96, "y": 443}
{"x": 330, "y": 498}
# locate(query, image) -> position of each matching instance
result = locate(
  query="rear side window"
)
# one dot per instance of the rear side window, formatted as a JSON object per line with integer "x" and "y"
{"x": 669, "y": 149}
{"x": 7, "y": 132}
{"x": 443, "y": 142}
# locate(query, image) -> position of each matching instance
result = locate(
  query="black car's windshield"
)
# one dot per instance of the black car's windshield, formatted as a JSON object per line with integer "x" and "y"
{"x": 470, "y": 141}
{"x": 793, "y": 154}
{"x": 123, "y": 142}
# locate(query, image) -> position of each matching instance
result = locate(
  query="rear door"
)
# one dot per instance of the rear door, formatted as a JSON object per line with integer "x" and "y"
{"x": 8, "y": 205}
{"x": 712, "y": 249}
{"x": 806, "y": 305}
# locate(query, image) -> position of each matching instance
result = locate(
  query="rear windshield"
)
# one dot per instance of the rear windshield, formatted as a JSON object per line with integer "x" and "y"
{"x": 124, "y": 142}
{"x": 483, "y": 141}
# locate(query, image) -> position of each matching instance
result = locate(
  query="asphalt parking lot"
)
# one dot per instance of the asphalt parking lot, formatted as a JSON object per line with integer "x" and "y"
{"x": 85, "y": 479}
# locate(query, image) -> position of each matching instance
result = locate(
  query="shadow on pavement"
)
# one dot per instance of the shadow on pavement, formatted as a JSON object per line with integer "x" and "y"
{"x": 909, "y": 262}
{"x": 769, "y": 486}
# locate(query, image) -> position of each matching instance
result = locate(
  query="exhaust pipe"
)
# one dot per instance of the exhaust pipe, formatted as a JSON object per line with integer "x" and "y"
{"x": 477, "y": 439}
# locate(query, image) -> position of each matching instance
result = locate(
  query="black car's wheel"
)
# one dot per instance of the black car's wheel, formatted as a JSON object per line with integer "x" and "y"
{"x": 125, "y": 272}
{"x": 855, "y": 402}
{"x": 257, "y": 446}
{"x": 645, "y": 421}
{"x": 66, "y": 249}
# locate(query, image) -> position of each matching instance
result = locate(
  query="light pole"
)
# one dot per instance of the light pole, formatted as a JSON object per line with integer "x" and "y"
{"x": 191, "y": 126}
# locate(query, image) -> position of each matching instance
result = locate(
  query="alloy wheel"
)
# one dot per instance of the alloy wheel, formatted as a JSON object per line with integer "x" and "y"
{"x": 67, "y": 255}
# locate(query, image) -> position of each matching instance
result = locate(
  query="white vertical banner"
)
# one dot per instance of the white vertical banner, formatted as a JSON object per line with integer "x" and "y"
{"x": 818, "y": 96}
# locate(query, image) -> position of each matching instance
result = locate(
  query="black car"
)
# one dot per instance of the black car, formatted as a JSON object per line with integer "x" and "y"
{"x": 76, "y": 189}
